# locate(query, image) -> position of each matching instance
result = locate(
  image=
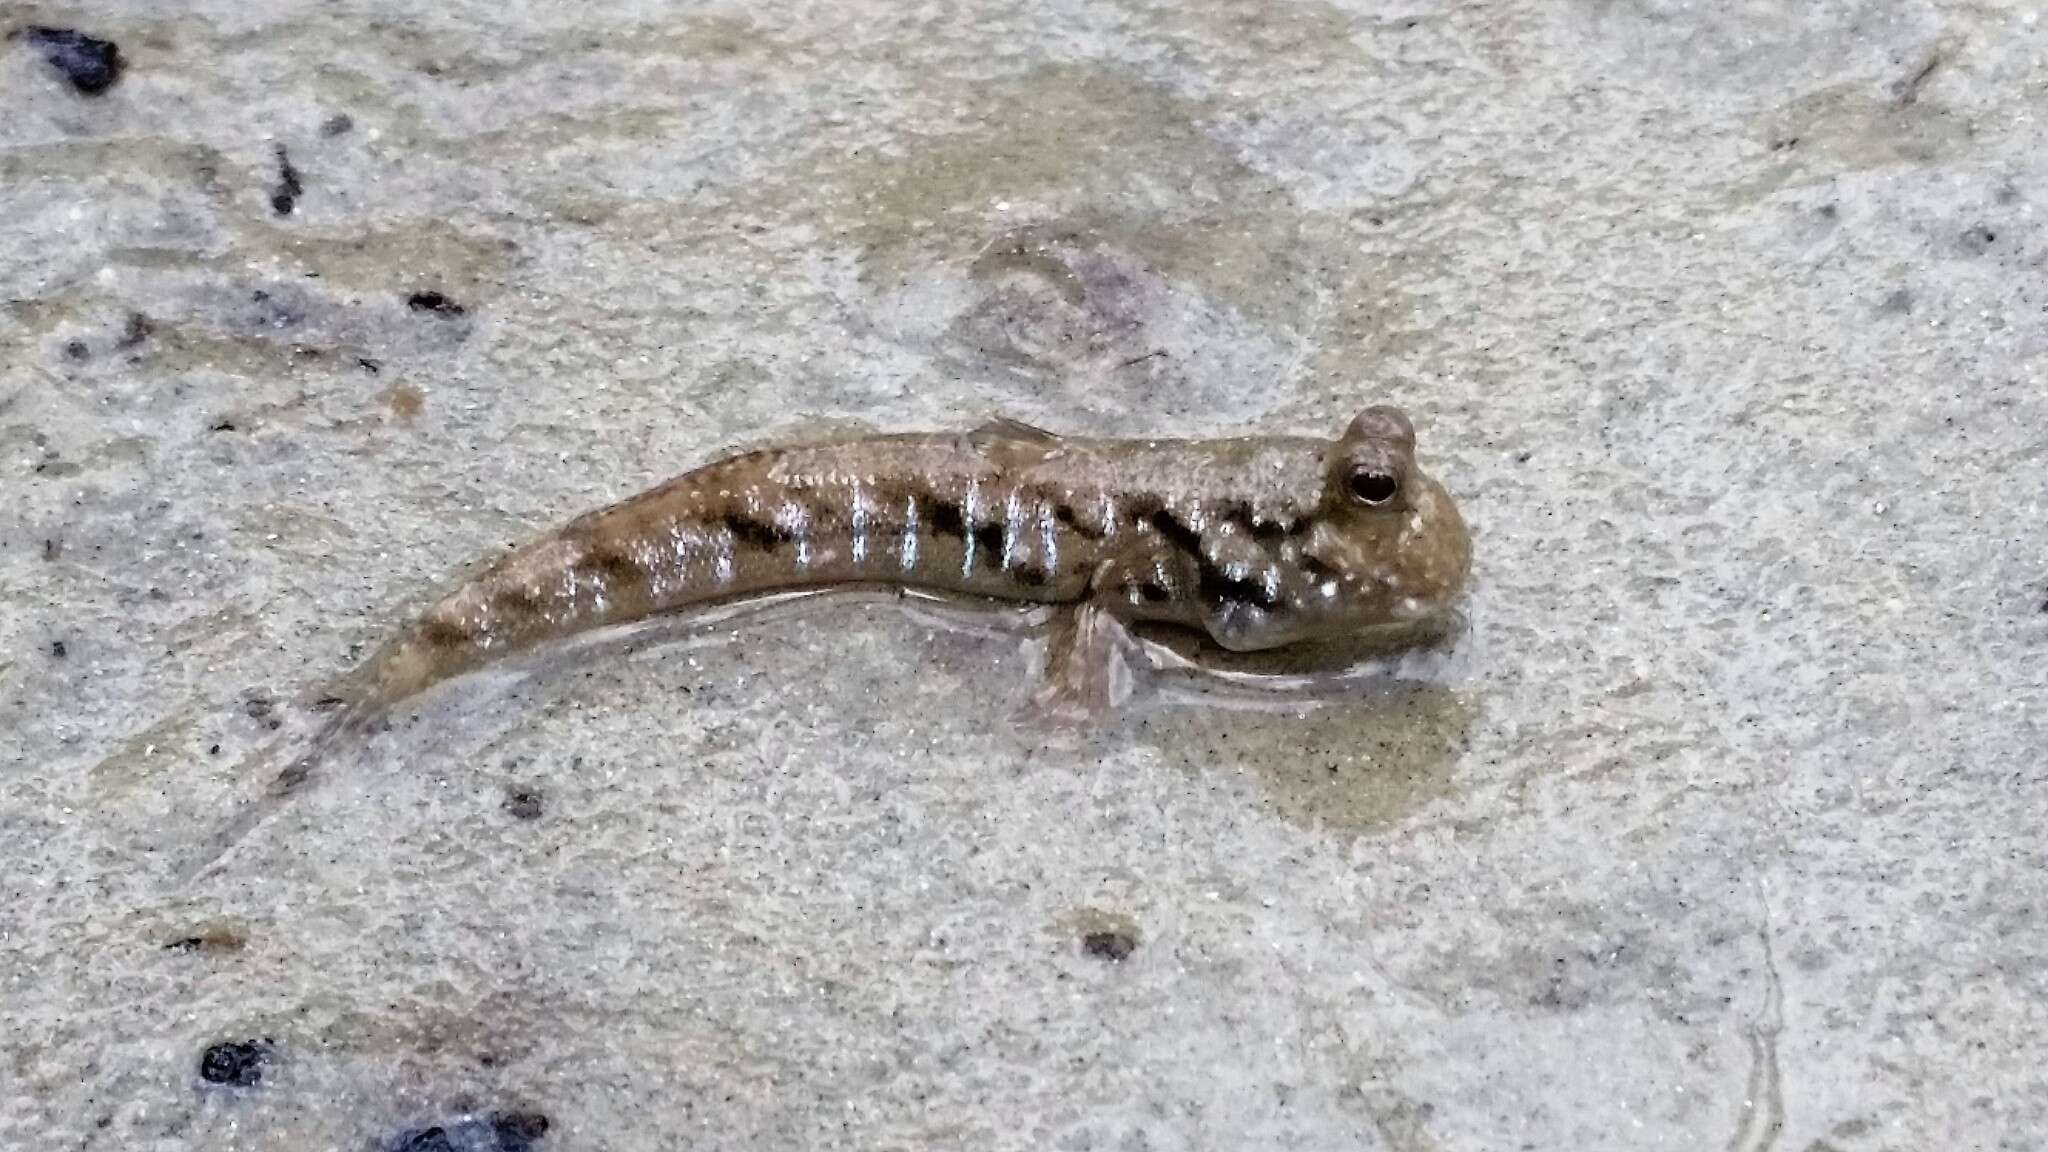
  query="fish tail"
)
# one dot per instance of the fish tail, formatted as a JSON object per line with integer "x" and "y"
{"x": 402, "y": 669}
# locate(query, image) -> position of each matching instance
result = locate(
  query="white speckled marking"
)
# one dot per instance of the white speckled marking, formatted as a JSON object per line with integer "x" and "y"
{"x": 968, "y": 509}
{"x": 860, "y": 525}
{"x": 795, "y": 519}
{"x": 907, "y": 549}
{"x": 721, "y": 559}
{"x": 1013, "y": 520}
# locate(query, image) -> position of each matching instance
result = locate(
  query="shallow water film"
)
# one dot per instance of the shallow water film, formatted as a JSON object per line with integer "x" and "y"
{"x": 1720, "y": 828}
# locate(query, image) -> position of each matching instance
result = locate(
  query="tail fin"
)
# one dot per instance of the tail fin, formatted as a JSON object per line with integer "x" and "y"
{"x": 403, "y": 668}
{"x": 287, "y": 784}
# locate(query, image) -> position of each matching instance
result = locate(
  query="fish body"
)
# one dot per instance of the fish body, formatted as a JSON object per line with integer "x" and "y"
{"x": 1257, "y": 541}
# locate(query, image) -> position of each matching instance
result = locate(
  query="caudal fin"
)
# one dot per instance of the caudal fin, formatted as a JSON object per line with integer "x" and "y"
{"x": 257, "y": 810}
{"x": 400, "y": 670}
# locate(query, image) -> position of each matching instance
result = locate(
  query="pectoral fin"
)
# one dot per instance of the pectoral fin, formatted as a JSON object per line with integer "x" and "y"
{"x": 1092, "y": 666}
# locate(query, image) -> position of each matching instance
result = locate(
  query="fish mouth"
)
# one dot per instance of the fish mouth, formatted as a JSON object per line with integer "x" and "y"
{"x": 1421, "y": 623}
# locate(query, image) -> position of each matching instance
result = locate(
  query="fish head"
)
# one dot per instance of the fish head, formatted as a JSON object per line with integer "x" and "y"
{"x": 1389, "y": 549}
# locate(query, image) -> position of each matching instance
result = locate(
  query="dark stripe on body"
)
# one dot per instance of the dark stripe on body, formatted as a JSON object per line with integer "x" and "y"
{"x": 947, "y": 520}
{"x": 1064, "y": 513}
{"x": 610, "y": 563}
{"x": 439, "y": 633}
{"x": 1216, "y": 584}
{"x": 1170, "y": 526}
{"x": 766, "y": 535}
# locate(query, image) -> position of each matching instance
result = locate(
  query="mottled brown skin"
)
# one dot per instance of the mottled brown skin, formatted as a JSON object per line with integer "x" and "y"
{"x": 1259, "y": 542}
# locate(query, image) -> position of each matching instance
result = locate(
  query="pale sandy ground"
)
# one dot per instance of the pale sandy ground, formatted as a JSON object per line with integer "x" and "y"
{"x": 1725, "y": 321}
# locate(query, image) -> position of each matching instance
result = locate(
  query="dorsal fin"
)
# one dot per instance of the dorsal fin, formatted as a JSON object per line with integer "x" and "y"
{"x": 1003, "y": 429}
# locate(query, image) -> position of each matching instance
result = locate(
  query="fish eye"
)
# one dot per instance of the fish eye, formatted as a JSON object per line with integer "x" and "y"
{"x": 1372, "y": 488}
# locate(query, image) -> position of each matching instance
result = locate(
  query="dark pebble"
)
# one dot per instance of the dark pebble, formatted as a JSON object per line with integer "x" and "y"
{"x": 1109, "y": 945}
{"x": 58, "y": 649}
{"x": 338, "y": 124}
{"x": 284, "y": 195}
{"x": 221, "y": 426}
{"x": 426, "y": 1140}
{"x": 500, "y": 1132}
{"x": 215, "y": 940}
{"x": 76, "y": 349}
{"x": 434, "y": 302}
{"x": 524, "y": 803}
{"x": 137, "y": 330}
{"x": 235, "y": 1063}
{"x": 518, "y": 1131}
{"x": 91, "y": 64}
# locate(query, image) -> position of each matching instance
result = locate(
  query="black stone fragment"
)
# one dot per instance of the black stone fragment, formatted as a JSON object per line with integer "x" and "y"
{"x": 499, "y": 1132}
{"x": 525, "y": 803}
{"x": 1113, "y": 946}
{"x": 434, "y": 302}
{"x": 89, "y": 63}
{"x": 284, "y": 195}
{"x": 236, "y": 1063}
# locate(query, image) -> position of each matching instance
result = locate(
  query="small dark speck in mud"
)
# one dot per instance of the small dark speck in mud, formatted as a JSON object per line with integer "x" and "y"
{"x": 236, "y": 1063}
{"x": 1113, "y": 945}
{"x": 525, "y": 803}
{"x": 58, "y": 650}
{"x": 369, "y": 365}
{"x": 500, "y": 1132}
{"x": 328, "y": 703}
{"x": 284, "y": 195}
{"x": 1524, "y": 456}
{"x": 262, "y": 710}
{"x": 221, "y": 426}
{"x": 137, "y": 329}
{"x": 76, "y": 350}
{"x": 53, "y": 549}
{"x": 434, "y": 302}
{"x": 339, "y": 124}
{"x": 89, "y": 63}
{"x": 1898, "y": 303}
{"x": 217, "y": 940}
{"x": 1978, "y": 240}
